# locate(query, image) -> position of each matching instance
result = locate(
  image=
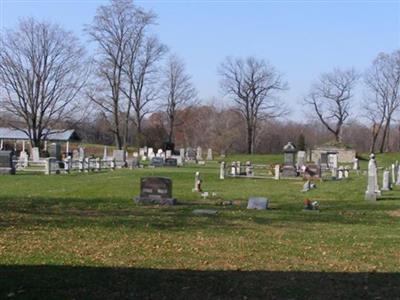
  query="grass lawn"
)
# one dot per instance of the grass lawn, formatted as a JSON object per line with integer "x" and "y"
{"x": 81, "y": 236}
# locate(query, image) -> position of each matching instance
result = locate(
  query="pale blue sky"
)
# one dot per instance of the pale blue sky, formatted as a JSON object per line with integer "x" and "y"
{"x": 300, "y": 38}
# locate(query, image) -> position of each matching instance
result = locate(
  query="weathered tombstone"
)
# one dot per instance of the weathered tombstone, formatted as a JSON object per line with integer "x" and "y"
{"x": 209, "y": 154}
{"x": 182, "y": 153}
{"x": 6, "y": 163}
{"x": 393, "y": 178}
{"x": 289, "y": 169}
{"x": 233, "y": 169}
{"x": 205, "y": 212}
{"x": 301, "y": 159}
{"x": 356, "y": 164}
{"x": 346, "y": 172}
{"x": 190, "y": 155}
{"x": 23, "y": 159}
{"x": 398, "y": 176}
{"x": 259, "y": 203}
{"x": 199, "y": 154}
{"x": 156, "y": 190}
{"x": 81, "y": 153}
{"x": 277, "y": 172}
{"x": 334, "y": 173}
{"x": 372, "y": 192}
{"x": 222, "y": 170}
{"x": 142, "y": 152}
{"x": 105, "y": 154}
{"x": 249, "y": 169}
{"x": 340, "y": 173}
{"x": 120, "y": 158}
{"x": 75, "y": 154}
{"x": 386, "y": 181}
{"x": 197, "y": 183}
{"x": 150, "y": 153}
{"x": 157, "y": 161}
{"x": 171, "y": 162}
{"x": 134, "y": 164}
{"x": 168, "y": 154}
{"x": 179, "y": 160}
{"x": 55, "y": 151}
{"x": 35, "y": 154}
{"x": 160, "y": 153}
{"x": 324, "y": 160}
{"x": 333, "y": 160}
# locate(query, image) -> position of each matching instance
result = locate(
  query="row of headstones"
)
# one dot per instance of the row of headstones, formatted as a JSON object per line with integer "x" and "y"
{"x": 189, "y": 154}
{"x": 390, "y": 178}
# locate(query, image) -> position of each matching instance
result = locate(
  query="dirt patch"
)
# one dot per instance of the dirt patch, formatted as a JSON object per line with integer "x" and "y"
{"x": 394, "y": 213}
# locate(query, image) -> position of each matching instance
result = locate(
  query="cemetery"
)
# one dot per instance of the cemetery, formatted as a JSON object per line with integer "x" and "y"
{"x": 142, "y": 220}
{"x": 199, "y": 150}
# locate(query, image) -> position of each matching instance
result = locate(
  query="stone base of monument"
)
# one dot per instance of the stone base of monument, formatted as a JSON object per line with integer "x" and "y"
{"x": 289, "y": 171}
{"x": 155, "y": 201}
{"x": 370, "y": 196}
{"x": 7, "y": 171}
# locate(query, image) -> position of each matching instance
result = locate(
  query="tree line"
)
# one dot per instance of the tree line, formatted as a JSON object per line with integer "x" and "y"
{"x": 133, "y": 90}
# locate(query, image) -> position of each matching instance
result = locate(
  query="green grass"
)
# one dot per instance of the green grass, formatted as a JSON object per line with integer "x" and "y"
{"x": 81, "y": 236}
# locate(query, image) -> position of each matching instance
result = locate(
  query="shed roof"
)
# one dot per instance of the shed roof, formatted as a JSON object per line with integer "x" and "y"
{"x": 56, "y": 135}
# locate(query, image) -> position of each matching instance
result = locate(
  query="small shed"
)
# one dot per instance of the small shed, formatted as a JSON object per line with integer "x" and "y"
{"x": 11, "y": 134}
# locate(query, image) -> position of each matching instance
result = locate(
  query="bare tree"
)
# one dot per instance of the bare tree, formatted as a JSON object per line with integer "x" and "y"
{"x": 383, "y": 81}
{"x": 252, "y": 83}
{"x": 330, "y": 98}
{"x": 41, "y": 73}
{"x": 118, "y": 30}
{"x": 142, "y": 76}
{"x": 177, "y": 91}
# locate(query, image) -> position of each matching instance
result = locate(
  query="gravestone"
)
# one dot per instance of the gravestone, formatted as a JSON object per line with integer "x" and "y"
{"x": 120, "y": 158}
{"x": 182, "y": 153}
{"x": 81, "y": 153}
{"x": 205, "y": 212}
{"x": 157, "y": 161}
{"x": 333, "y": 160}
{"x": 356, "y": 164}
{"x": 156, "y": 190}
{"x": 398, "y": 176}
{"x": 249, "y": 169}
{"x": 289, "y": 169}
{"x": 105, "y": 154}
{"x": 150, "y": 153}
{"x": 179, "y": 160}
{"x": 199, "y": 154}
{"x": 301, "y": 159}
{"x": 222, "y": 170}
{"x": 55, "y": 151}
{"x": 372, "y": 189}
{"x": 190, "y": 154}
{"x": 259, "y": 203}
{"x": 168, "y": 154}
{"x": 393, "y": 174}
{"x": 6, "y": 163}
{"x": 35, "y": 154}
{"x": 386, "y": 181}
{"x": 75, "y": 154}
{"x": 171, "y": 162}
{"x": 277, "y": 172}
{"x": 142, "y": 152}
{"x": 233, "y": 169}
{"x": 209, "y": 154}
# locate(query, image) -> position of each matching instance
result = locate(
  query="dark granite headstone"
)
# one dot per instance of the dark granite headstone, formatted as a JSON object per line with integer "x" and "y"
{"x": 55, "y": 150}
{"x": 6, "y": 162}
{"x": 171, "y": 162}
{"x": 157, "y": 161}
{"x": 156, "y": 190}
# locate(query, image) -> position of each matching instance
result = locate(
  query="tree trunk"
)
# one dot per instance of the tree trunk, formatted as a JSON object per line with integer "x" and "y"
{"x": 384, "y": 136}
{"x": 249, "y": 139}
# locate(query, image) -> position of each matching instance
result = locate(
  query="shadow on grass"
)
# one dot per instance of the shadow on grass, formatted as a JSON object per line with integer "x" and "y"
{"x": 67, "y": 282}
{"x": 72, "y": 213}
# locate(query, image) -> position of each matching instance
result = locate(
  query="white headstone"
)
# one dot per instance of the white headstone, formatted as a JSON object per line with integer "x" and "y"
{"x": 301, "y": 159}
{"x": 356, "y": 164}
{"x": 105, "y": 155}
{"x": 222, "y": 170}
{"x": 277, "y": 172}
{"x": 209, "y": 154}
{"x": 35, "y": 154}
{"x": 372, "y": 188}
{"x": 168, "y": 154}
{"x": 199, "y": 154}
{"x": 386, "y": 181}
